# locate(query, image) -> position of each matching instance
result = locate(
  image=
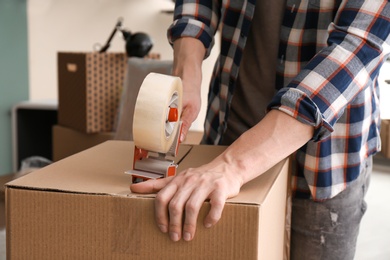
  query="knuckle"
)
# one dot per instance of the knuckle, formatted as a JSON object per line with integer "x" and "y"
{"x": 174, "y": 207}
{"x": 189, "y": 227}
{"x": 191, "y": 207}
{"x": 174, "y": 227}
{"x": 196, "y": 176}
{"x": 216, "y": 210}
{"x": 214, "y": 217}
{"x": 161, "y": 199}
{"x": 217, "y": 204}
{"x": 218, "y": 185}
{"x": 187, "y": 172}
{"x": 189, "y": 177}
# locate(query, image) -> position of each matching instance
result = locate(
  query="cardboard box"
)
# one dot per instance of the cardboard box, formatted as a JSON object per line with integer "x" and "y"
{"x": 193, "y": 137}
{"x": 67, "y": 141}
{"x": 3, "y": 180}
{"x": 385, "y": 138}
{"x": 81, "y": 208}
{"x": 89, "y": 90}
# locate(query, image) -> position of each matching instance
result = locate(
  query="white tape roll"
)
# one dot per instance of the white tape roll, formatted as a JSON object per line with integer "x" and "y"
{"x": 151, "y": 129}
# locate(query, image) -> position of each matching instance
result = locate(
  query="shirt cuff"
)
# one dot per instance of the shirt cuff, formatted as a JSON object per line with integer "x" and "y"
{"x": 191, "y": 28}
{"x": 297, "y": 104}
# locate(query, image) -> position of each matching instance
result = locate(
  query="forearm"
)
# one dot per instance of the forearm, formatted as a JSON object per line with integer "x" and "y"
{"x": 188, "y": 57}
{"x": 274, "y": 138}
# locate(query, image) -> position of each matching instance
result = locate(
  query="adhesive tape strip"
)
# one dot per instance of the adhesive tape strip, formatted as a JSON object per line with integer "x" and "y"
{"x": 151, "y": 129}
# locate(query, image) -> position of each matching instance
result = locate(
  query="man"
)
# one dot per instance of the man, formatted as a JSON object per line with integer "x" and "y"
{"x": 316, "y": 78}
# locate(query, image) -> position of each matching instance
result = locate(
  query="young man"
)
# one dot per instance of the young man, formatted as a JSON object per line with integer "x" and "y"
{"x": 293, "y": 77}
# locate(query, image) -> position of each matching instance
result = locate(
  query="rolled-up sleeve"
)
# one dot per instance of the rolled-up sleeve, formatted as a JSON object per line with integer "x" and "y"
{"x": 197, "y": 19}
{"x": 357, "y": 46}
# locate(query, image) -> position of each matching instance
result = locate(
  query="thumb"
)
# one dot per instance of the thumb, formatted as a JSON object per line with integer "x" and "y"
{"x": 150, "y": 186}
{"x": 187, "y": 117}
{"x": 185, "y": 127}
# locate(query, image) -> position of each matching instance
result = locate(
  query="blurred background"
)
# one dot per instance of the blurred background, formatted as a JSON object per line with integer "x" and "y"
{"x": 32, "y": 32}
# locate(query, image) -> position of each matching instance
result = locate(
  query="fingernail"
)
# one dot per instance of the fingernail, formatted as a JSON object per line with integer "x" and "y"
{"x": 207, "y": 225}
{"x": 187, "y": 236}
{"x": 163, "y": 228}
{"x": 174, "y": 236}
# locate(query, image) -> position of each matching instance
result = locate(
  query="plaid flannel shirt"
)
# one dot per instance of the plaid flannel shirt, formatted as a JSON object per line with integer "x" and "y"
{"x": 330, "y": 53}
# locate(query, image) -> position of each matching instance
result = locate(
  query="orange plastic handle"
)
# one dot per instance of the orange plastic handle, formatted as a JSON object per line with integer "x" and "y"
{"x": 173, "y": 115}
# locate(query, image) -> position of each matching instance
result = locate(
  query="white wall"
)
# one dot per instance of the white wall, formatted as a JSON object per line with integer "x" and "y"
{"x": 74, "y": 25}
{"x": 384, "y": 76}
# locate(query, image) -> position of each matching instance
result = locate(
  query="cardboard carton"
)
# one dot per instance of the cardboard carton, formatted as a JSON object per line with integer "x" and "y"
{"x": 81, "y": 208}
{"x": 193, "y": 137}
{"x": 89, "y": 90}
{"x": 385, "y": 138}
{"x": 67, "y": 141}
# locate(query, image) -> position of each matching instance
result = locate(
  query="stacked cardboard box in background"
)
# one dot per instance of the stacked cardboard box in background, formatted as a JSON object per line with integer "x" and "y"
{"x": 385, "y": 137}
{"x": 89, "y": 92}
{"x": 97, "y": 94}
{"x": 67, "y": 141}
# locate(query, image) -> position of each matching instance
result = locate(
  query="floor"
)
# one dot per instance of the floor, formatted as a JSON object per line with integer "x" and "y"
{"x": 374, "y": 239}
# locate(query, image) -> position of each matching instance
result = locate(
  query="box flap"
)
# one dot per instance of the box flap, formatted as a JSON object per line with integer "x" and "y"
{"x": 100, "y": 170}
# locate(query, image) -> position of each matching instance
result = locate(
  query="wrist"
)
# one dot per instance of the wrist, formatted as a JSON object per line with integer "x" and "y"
{"x": 188, "y": 57}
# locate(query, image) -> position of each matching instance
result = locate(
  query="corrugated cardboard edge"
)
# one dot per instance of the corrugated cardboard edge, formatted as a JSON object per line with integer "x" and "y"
{"x": 87, "y": 240}
{"x": 275, "y": 202}
{"x": 287, "y": 226}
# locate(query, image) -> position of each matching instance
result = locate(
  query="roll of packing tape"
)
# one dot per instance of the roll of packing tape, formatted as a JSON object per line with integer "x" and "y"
{"x": 158, "y": 94}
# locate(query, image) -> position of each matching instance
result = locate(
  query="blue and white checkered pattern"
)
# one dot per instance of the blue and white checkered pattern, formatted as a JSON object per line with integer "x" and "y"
{"x": 330, "y": 53}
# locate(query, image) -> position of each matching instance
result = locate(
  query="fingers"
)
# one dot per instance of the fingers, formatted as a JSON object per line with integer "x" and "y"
{"x": 178, "y": 204}
{"x": 191, "y": 108}
{"x": 180, "y": 199}
{"x": 184, "y": 130}
{"x": 161, "y": 209}
{"x": 170, "y": 205}
{"x": 192, "y": 209}
{"x": 217, "y": 204}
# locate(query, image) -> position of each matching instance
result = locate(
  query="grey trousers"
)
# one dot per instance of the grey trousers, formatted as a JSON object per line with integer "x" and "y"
{"x": 328, "y": 230}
